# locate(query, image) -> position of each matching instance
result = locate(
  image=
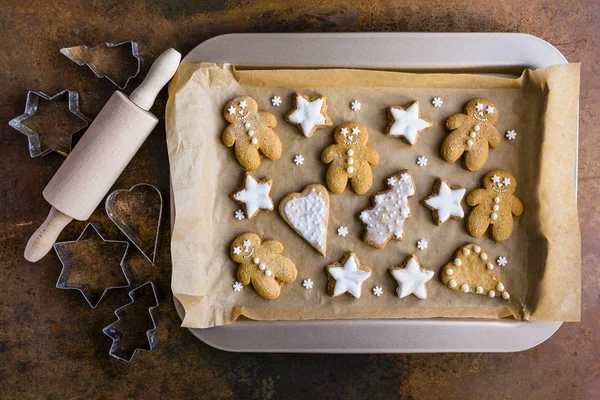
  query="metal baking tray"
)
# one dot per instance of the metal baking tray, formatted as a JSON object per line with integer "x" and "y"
{"x": 494, "y": 53}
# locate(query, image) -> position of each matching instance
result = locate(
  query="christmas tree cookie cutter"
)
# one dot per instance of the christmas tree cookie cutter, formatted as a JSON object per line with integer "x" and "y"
{"x": 106, "y": 60}
{"x": 92, "y": 265}
{"x": 54, "y": 119}
{"x": 137, "y": 212}
{"x": 116, "y": 332}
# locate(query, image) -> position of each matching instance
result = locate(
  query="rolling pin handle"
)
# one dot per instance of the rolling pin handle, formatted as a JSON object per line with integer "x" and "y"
{"x": 161, "y": 71}
{"x": 41, "y": 242}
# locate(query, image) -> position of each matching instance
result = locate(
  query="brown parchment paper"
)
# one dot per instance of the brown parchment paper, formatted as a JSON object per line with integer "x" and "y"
{"x": 544, "y": 266}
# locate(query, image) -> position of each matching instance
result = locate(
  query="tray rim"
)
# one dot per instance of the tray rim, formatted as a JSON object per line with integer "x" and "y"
{"x": 535, "y": 53}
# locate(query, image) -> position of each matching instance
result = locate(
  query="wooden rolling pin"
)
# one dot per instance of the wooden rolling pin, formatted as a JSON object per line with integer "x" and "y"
{"x": 101, "y": 155}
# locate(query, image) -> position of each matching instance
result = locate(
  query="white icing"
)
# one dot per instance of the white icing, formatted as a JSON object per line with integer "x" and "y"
{"x": 348, "y": 278}
{"x": 491, "y": 293}
{"x": 355, "y": 131}
{"x": 407, "y": 123}
{"x": 479, "y": 106}
{"x": 307, "y": 114}
{"x": 500, "y": 287}
{"x": 449, "y": 271}
{"x": 246, "y": 243}
{"x": 505, "y": 296}
{"x": 391, "y": 209}
{"x": 506, "y": 181}
{"x": 255, "y": 195}
{"x": 457, "y": 262}
{"x": 243, "y": 104}
{"x": 411, "y": 279}
{"x": 489, "y": 110}
{"x": 231, "y": 109}
{"x": 483, "y": 256}
{"x": 447, "y": 202}
{"x": 465, "y": 288}
{"x": 308, "y": 215}
{"x": 377, "y": 291}
{"x": 355, "y": 105}
{"x": 307, "y": 283}
{"x": 495, "y": 179}
{"x": 452, "y": 283}
{"x": 237, "y": 250}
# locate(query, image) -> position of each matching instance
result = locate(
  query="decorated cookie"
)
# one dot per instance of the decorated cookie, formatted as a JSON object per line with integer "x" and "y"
{"x": 444, "y": 201}
{"x": 494, "y": 205}
{"x": 308, "y": 113}
{"x": 350, "y": 158}
{"x": 262, "y": 264}
{"x": 254, "y": 195}
{"x": 308, "y": 214}
{"x": 472, "y": 133}
{"x": 406, "y": 123}
{"x": 411, "y": 278}
{"x": 346, "y": 276}
{"x": 472, "y": 271}
{"x": 385, "y": 219}
{"x": 251, "y": 132}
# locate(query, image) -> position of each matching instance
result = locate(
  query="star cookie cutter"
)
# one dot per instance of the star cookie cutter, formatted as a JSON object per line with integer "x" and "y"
{"x": 116, "y": 334}
{"x": 102, "y": 61}
{"x": 88, "y": 262}
{"x": 137, "y": 212}
{"x": 35, "y": 136}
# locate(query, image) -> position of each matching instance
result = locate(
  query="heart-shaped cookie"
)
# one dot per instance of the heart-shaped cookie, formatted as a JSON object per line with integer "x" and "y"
{"x": 308, "y": 214}
{"x": 137, "y": 213}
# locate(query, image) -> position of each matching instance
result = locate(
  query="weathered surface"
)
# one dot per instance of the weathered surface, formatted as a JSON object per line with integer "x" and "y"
{"x": 51, "y": 345}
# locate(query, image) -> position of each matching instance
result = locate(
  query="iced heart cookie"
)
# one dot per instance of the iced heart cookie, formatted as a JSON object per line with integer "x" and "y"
{"x": 471, "y": 271}
{"x": 254, "y": 195}
{"x": 385, "y": 220}
{"x": 472, "y": 134}
{"x": 262, "y": 264}
{"x": 444, "y": 201}
{"x": 411, "y": 278}
{"x": 350, "y": 159}
{"x": 346, "y": 276}
{"x": 406, "y": 123}
{"x": 308, "y": 214}
{"x": 309, "y": 113}
{"x": 250, "y": 131}
{"x": 494, "y": 205}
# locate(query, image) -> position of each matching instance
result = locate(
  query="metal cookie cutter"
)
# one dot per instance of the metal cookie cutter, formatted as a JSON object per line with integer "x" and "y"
{"x": 92, "y": 265}
{"x": 118, "y": 349}
{"x": 102, "y": 61}
{"x": 137, "y": 213}
{"x": 35, "y": 135}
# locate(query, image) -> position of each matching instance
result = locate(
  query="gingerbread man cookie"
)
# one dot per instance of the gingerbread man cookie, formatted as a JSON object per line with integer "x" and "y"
{"x": 262, "y": 264}
{"x": 251, "y": 132}
{"x": 472, "y": 133}
{"x": 350, "y": 158}
{"x": 494, "y": 205}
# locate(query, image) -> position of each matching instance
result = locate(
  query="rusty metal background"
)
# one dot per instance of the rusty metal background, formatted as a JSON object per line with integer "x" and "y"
{"x": 51, "y": 342}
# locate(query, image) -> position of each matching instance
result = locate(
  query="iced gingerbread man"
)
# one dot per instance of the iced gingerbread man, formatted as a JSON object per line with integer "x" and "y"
{"x": 494, "y": 205}
{"x": 472, "y": 133}
{"x": 262, "y": 264}
{"x": 251, "y": 132}
{"x": 350, "y": 158}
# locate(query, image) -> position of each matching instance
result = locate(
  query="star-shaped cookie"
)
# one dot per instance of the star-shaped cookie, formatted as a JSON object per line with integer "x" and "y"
{"x": 347, "y": 276}
{"x": 444, "y": 201}
{"x": 254, "y": 195}
{"x": 406, "y": 123}
{"x": 411, "y": 278}
{"x": 308, "y": 113}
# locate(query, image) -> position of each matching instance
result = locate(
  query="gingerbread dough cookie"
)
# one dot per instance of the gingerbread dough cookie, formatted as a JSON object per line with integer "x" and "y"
{"x": 347, "y": 276}
{"x": 262, "y": 264}
{"x": 350, "y": 159}
{"x": 250, "y": 131}
{"x": 406, "y": 123}
{"x": 308, "y": 113}
{"x": 494, "y": 205}
{"x": 444, "y": 201}
{"x": 472, "y": 133}
{"x": 471, "y": 271}
{"x": 254, "y": 195}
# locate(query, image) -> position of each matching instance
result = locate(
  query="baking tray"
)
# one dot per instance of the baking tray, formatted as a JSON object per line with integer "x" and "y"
{"x": 494, "y": 53}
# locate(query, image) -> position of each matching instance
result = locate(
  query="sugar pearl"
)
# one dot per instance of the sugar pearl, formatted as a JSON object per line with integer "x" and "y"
{"x": 469, "y": 142}
{"x": 490, "y": 266}
{"x": 496, "y": 200}
{"x": 491, "y": 293}
{"x": 466, "y": 251}
{"x": 479, "y": 289}
{"x": 505, "y": 296}
{"x": 247, "y": 125}
{"x": 483, "y": 256}
{"x": 250, "y": 132}
{"x": 449, "y": 271}
{"x": 268, "y": 272}
{"x": 256, "y": 261}
{"x": 457, "y": 262}
{"x": 500, "y": 287}
{"x": 350, "y": 152}
{"x": 472, "y": 134}
{"x": 496, "y": 207}
{"x": 452, "y": 283}
{"x": 351, "y": 161}
{"x": 476, "y": 249}
{"x": 254, "y": 141}
{"x": 350, "y": 170}
{"x": 465, "y": 288}
{"x": 494, "y": 216}
{"x": 476, "y": 127}
{"x": 262, "y": 266}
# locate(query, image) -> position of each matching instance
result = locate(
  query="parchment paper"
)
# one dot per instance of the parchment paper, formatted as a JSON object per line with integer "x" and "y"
{"x": 544, "y": 266}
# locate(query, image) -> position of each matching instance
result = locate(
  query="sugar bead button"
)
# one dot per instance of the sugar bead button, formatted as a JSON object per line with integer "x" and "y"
{"x": 351, "y": 161}
{"x": 254, "y": 141}
{"x": 457, "y": 262}
{"x": 350, "y": 152}
{"x": 256, "y": 261}
{"x": 483, "y": 256}
{"x": 466, "y": 251}
{"x": 250, "y": 132}
{"x": 452, "y": 283}
{"x": 472, "y": 134}
{"x": 500, "y": 287}
{"x": 494, "y": 216}
{"x": 477, "y": 249}
{"x": 505, "y": 296}
{"x": 490, "y": 266}
{"x": 469, "y": 142}
{"x": 350, "y": 170}
{"x": 491, "y": 293}
{"x": 476, "y": 127}
{"x": 496, "y": 200}
{"x": 465, "y": 288}
{"x": 262, "y": 266}
{"x": 479, "y": 289}
{"x": 247, "y": 125}
{"x": 496, "y": 207}
{"x": 268, "y": 272}
{"x": 449, "y": 271}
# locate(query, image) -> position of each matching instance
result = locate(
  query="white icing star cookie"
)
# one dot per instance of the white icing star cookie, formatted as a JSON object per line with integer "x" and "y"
{"x": 411, "y": 278}
{"x": 405, "y": 122}
{"x": 444, "y": 201}
{"x": 347, "y": 276}
{"x": 308, "y": 113}
{"x": 308, "y": 214}
{"x": 385, "y": 220}
{"x": 254, "y": 195}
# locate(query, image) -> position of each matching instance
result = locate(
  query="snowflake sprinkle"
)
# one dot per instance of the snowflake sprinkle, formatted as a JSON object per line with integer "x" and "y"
{"x": 511, "y": 134}
{"x": 307, "y": 283}
{"x": 276, "y": 101}
{"x": 355, "y": 105}
{"x": 377, "y": 291}
{"x": 422, "y": 244}
{"x": 422, "y": 161}
{"x": 342, "y": 231}
{"x": 237, "y": 286}
{"x": 239, "y": 215}
{"x": 298, "y": 159}
{"x": 437, "y": 102}
{"x": 501, "y": 261}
